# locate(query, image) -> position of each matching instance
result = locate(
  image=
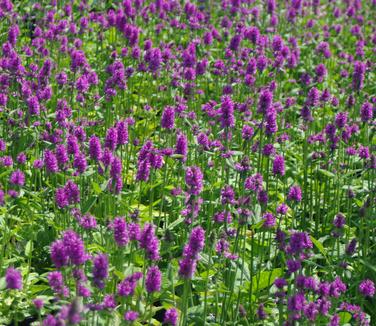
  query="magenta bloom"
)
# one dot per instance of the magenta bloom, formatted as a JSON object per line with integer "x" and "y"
{"x": 269, "y": 220}
{"x": 59, "y": 254}
{"x": 75, "y": 248}
{"x": 128, "y": 285}
{"x": 131, "y": 315}
{"x": 17, "y": 178}
{"x": 149, "y": 241}
{"x": 13, "y": 279}
{"x": 120, "y": 231}
{"x": 171, "y": 317}
{"x": 38, "y": 303}
{"x": 295, "y": 194}
{"x": 168, "y": 118}
{"x": 153, "y": 279}
{"x": 227, "y": 117}
{"x": 279, "y": 165}
{"x": 194, "y": 179}
{"x": 367, "y": 288}
{"x": 100, "y": 269}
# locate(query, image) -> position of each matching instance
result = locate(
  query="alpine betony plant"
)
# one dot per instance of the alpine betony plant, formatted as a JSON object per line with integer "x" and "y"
{"x": 187, "y": 162}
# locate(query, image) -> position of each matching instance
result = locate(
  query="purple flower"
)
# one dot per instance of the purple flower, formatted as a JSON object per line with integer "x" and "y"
{"x": 268, "y": 150}
{"x": 171, "y": 317}
{"x": 271, "y": 121}
{"x": 262, "y": 197}
{"x": 50, "y": 162}
{"x": 280, "y": 283}
{"x": 181, "y": 147}
{"x": 265, "y": 101}
{"x": 79, "y": 162}
{"x": 21, "y": 158}
{"x": 351, "y": 247}
{"x": 131, "y": 315}
{"x": 337, "y": 287}
{"x": 109, "y": 301}
{"x": 88, "y": 222}
{"x": 116, "y": 167}
{"x": 227, "y": 117}
{"x": 367, "y": 288}
{"x": 269, "y": 220}
{"x": 311, "y": 311}
{"x": 339, "y": 221}
{"x": 149, "y": 242}
{"x": 196, "y": 241}
{"x": 33, "y": 105}
{"x": 295, "y": 194}
{"x": 74, "y": 247}
{"x": 95, "y": 148}
{"x": 299, "y": 241}
{"x": 282, "y": 209}
{"x": 168, "y": 118}
{"x": 335, "y": 320}
{"x": 127, "y": 286}
{"x": 261, "y": 314}
{"x": 122, "y": 132}
{"x": 366, "y": 112}
{"x": 194, "y": 180}
{"x": 56, "y": 282}
{"x": 358, "y": 75}
{"x": 61, "y": 198}
{"x": 120, "y": 231}
{"x": 296, "y": 302}
{"x": 254, "y": 182}
{"x": 111, "y": 139}
{"x": 100, "y": 269}
{"x": 59, "y": 255}
{"x": 279, "y": 165}
{"x": 341, "y": 119}
{"x": 153, "y": 279}
{"x": 143, "y": 171}
{"x": 72, "y": 192}
{"x": 227, "y": 195}
{"x": 313, "y": 97}
{"x": 187, "y": 267}
{"x": 38, "y": 303}
{"x": 247, "y": 132}
{"x": 293, "y": 265}
{"x": 13, "y": 279}
{"x": 17, "y": 178}
{"x": 61, "y": 155}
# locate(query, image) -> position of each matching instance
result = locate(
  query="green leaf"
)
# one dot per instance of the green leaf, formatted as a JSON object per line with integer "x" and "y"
{"x": 319, "y": 246}
{"x": 89, "y": 204}
{"x": 327, "y": 173}
{"x": 97, "y": 189}
{"x": 265, "y": 278}
{"x": 29, "y": 248}
{"x": 345, "y": 317}
{"x": 175, "y": 223}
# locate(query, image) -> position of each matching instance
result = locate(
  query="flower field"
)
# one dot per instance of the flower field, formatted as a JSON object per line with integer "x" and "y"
{"x": 175, "y": 162}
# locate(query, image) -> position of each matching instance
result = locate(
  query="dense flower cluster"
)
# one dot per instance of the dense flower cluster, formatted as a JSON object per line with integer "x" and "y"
{"x": 187, "y": 162}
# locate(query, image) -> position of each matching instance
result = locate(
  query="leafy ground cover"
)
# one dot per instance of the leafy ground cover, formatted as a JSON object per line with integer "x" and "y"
{"x": 187, "y": 163}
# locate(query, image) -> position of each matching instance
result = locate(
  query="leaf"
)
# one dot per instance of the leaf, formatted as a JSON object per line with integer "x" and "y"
{"x": 89, "y": 204}
{"x": 345, "y": 317}
{"x": 327, "y": 173}
{"x": 175, "y": 223}
{"x": 265, "y": 279}
{"x": 368, "y": 265}
{"x": 320, "y": 247}
{"x": 97, "y": 189}
{"x": 29, "y": 248}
